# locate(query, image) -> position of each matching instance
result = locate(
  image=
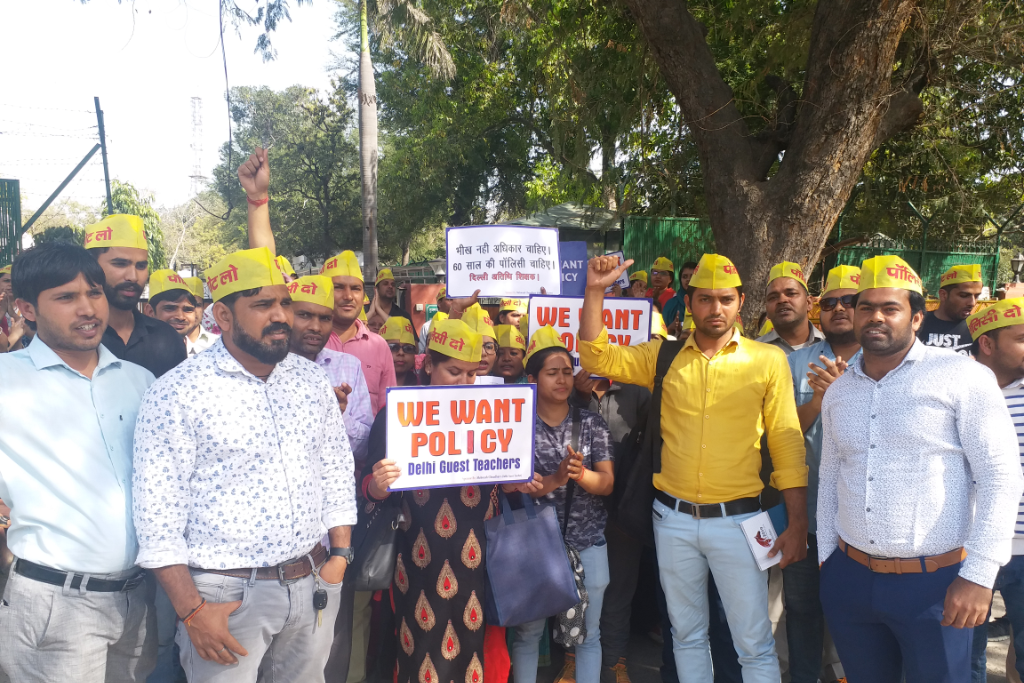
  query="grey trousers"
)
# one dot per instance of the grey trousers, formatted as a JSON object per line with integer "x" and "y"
{"x": 276, "y": 624}
{"x": 49, "y": 633}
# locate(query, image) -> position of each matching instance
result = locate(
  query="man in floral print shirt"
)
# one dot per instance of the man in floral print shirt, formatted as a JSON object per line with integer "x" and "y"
{"x": 241, "y": 463}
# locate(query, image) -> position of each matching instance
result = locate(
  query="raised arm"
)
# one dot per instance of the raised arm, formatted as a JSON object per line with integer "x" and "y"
{"x": 254, "y": 175}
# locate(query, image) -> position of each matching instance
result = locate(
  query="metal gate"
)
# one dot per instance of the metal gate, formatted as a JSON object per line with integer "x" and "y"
{"x": 10, "y": 220}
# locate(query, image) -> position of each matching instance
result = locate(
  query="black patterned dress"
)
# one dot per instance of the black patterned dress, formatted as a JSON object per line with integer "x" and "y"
{"x": 440, "y": 581}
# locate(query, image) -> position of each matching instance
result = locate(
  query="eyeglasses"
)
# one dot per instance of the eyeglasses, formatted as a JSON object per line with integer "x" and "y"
{"x": 490, "y": 347}
{"x": 829, "y": 303}
{"x": 404, "y": 348}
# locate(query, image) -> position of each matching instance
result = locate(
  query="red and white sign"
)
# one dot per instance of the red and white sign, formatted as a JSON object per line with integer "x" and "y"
{"x": 628, "y": 320}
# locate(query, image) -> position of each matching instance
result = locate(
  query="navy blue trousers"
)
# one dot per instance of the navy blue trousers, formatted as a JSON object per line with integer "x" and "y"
{"x": 885, "y": 625}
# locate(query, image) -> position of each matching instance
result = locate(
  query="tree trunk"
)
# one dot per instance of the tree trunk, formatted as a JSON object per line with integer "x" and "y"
{"x": 827, "y": 133}
{"x": 608, "y": 184}
{"x": 405, "y": 252}
{"x": 367, "y": 147}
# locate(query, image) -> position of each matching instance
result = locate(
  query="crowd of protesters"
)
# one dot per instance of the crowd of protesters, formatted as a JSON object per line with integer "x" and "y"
{"x": 183, "y": 475}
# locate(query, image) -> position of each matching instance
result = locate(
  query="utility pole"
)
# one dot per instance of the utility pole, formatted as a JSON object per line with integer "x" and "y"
{"x": 103, "y": 151}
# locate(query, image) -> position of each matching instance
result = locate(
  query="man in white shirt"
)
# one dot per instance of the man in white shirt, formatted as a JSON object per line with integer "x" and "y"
{"x": 919, "y": 484}
{"x": 998, "y": 344}
{"x": 171, "y": 300}
{"x": 75, "y": 607}
{"x": 241, "y": 463}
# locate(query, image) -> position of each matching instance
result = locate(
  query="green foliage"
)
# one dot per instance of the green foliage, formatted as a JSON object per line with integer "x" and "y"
{"x": 127, "y": 199}
{"x": 59, "y": 233}
{"x": 314, "y": 171}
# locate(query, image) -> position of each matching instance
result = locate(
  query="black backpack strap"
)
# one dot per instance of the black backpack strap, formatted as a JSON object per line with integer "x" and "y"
{"x": 570, "y": 487}
{"x": 652, "y": 435}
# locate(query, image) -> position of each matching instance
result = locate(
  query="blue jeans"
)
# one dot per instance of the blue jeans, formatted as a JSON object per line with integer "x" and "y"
{"x": 805, "y": 621}
{"x": 526, "y": 639}
{"x": 1010, "y": 583}
{"x": 687, "y": 548}
{"x": 886, "y": 626}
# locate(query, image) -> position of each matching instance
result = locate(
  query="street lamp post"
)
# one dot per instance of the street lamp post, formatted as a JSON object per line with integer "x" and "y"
{"x": 1017, "y": 264}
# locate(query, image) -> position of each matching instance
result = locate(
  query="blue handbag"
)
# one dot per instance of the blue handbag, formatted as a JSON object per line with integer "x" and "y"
{"x": 527, "y": 567}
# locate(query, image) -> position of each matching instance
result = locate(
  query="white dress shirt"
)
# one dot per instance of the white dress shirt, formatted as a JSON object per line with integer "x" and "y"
{"x": 204, "y": 341}
{"x": 233, "y": 472}
{"x": 66, "y": 458}
{"x": 920, "y": 463}
{"x": 344, "y": 367}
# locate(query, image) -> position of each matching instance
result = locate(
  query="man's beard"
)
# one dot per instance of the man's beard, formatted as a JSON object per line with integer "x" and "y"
{"x": 269, "y": 353}
{"x": 888, "y": 345}
{"x": 835, "y": 339}
{"x": 124, "y": 297}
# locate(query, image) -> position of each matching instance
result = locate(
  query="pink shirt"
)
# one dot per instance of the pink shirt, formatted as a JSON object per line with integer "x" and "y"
{"x": 375, "y": 356}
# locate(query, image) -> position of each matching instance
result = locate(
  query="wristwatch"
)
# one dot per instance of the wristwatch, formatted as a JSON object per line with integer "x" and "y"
{"x": 347, "y": 553}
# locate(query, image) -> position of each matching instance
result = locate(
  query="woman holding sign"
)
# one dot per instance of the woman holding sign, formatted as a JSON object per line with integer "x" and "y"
{"x": 589, "y": 466}
{"x": 440, "y": 577}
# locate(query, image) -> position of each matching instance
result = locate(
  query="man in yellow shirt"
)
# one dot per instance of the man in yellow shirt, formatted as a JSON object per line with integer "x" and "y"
{"x": 721, "y": 393}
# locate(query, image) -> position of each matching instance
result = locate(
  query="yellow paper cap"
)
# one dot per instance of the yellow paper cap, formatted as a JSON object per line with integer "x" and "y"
{"x": 117, "y": 230}
{"x": 440, "y": 315}
{"x": 362, "y": 314}
{"x": 688, "y": 322}
{"x": 440, "y": 294}
{"x": 384, "y": 274}
{"x": 454, "y": 338}
{"x": 959, "y": 274}
{"x": 510, "y": 338}
{"x": 766, "y": 328}
{"x": 5, "y": 269}
{"x": 715, "y": 272}
{"x": 544, "y": 338}
{"x": 366, "y": 299}
{"x": 524, "y": 325}
{"x": 658, "y": 325}
{"x": 640, "y": 275}
{"x": 398, "y": 329}
{"x": 512, "y": 305}
{"x": 161, "y": 281}
{"x": 344, "y": 264}
{"x": 662, "y": 263}
{"x": 242, "y": 270}
{"x": 478, "y": 321}
{"x": 286, "y": 267}
{"x": 313, "y": 289}
{"x": 195, "y": 285}
{"x": 842, "y": 277}
{"x": 888, "y": 271}
{"x": 1001, "y": 314}
{"x": 788, "y": 269}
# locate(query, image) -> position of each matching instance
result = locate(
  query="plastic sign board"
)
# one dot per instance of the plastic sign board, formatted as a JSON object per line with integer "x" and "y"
{"x": 623, "y": 280}
{"x": 461, "y": 435}
{"x": 628, "y": 320}
{"x": 574, "y": 268}
{"x": 502, "y": 261}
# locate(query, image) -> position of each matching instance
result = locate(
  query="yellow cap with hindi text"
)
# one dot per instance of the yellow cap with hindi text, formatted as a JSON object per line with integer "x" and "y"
{"x": 888, "y": 271}
{"x": 195, "y": 285}
{"x": 1001, "y": 314}
{"x": 518, "y": 305}
{"x": 117, "y": 230}
{"x": 344, "y": 264}
{"x": 454, "y": 338}
{"x": 286, "y": 267}
{"x": 313, "y": 289}
{"x": 788, "y": 269}
{"x": 544, "y": 338}
{"x": 658, "y": 325}
{"x": 478, "y": 321}
{"x": 5, "y": 269}
{"x": 715, "y": 272}
{"x": 524, "y": 325}
{"x": 384, "y": 274}
{"x": 640, "y": 275}
{"x": 440, "y": 293}
{"x": 959, "y": 274}
{"x": 766, "y": 328}
{"x": 662, "y": 263}
{"x": 842, "y": 277}
{"x": 509, "y": 337}
{"x": 161, "y": 281}
{"x": 397, "y": 329}
{"x": 242, "y": 270}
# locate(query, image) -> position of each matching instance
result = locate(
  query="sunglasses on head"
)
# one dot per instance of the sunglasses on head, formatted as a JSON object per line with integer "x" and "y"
{"x": 829, "y": 303}
{"x": 404, "y": 348}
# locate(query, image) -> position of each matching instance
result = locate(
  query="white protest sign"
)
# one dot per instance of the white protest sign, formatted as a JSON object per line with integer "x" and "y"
{"x": 628, "y": 320}
{"x": 461, "y": 435}
{"x": 623, "y": 280}
{"x": 502, "y": 261}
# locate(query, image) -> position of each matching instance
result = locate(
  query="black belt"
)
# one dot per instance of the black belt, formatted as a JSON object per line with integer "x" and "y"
{"x": 55, "y": 577}
{"x": 739, "y": 506}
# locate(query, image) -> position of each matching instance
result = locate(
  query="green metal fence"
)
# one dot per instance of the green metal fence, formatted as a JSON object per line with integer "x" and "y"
{"x": 10, "y": 220}
{"x": 931, "y": 263}
{"x": 680, "y": 239}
